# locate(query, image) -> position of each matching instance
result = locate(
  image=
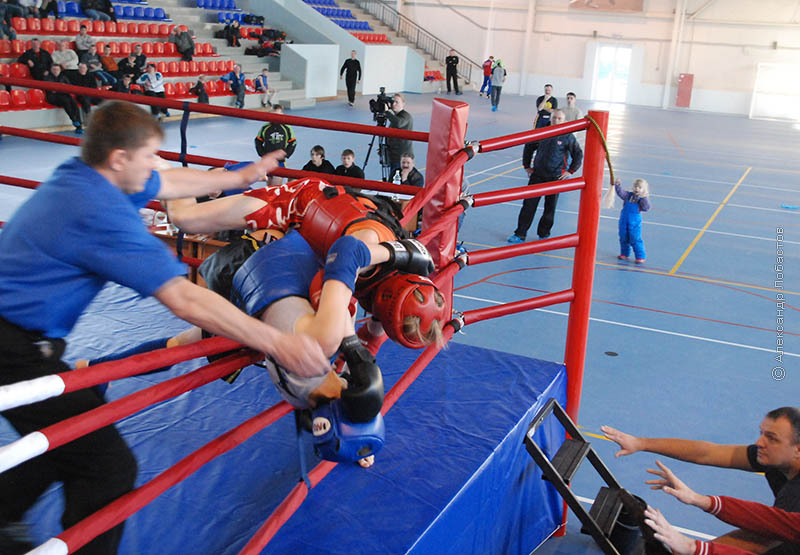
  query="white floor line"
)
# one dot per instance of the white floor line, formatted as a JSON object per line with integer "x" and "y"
{"x": 686, "y": 531}
{"x": 487, "y": 170}
{"x": 643, "y": 328}
{"x": 659, "y": 224}
{"x": 703, "y": 180}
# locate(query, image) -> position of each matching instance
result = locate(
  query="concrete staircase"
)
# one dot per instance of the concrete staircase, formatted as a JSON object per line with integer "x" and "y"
{"x": 204, "y": 23}
{"x": 379, "y": 27}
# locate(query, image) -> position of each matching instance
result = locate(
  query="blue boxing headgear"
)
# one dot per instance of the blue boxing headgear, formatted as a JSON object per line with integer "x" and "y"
{"x": 338, "y": 439}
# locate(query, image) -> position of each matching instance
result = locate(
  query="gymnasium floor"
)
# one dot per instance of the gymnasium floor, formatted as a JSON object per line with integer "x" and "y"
{"x": 683, "y": 345}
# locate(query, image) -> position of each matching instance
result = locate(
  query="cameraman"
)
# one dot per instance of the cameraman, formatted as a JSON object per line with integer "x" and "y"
{"x": 398, "y": 119}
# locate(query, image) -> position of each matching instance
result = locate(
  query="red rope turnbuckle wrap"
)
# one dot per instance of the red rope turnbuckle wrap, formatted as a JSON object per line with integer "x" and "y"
{"x": 449, "y": 168}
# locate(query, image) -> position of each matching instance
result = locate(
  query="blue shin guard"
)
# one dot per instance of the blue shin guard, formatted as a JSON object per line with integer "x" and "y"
{"x": 345, "y": 258}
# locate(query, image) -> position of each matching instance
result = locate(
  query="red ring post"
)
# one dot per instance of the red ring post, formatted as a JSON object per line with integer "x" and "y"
{"x": 583, "y": 267}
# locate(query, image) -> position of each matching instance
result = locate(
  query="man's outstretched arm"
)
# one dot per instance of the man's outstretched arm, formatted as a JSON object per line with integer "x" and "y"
{"x": 698, "y": 452}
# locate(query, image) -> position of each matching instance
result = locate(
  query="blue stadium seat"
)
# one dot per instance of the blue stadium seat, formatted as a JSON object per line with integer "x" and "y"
{"x": 239, "y": 16}
{"x": 159, "y": 14}
{"x": 149, "y": 13}
{"x": 201, "y": 3}
{"x": 221, "y": 17}
{"x": 138, "y": 12}
{"x": 127, "y": 12}
{"x": 72, "y": 8}
{"x": 62, "y": 7}
{"x": 213, "y": 4}
{"x": 230, "y": 5}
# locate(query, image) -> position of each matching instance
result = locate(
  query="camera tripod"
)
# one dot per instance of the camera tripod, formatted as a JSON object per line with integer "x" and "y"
{"x": 383, "y": 154}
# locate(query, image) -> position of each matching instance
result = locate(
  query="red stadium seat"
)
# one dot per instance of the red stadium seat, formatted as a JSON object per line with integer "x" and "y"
{"x": 133, "y": 29}
{"x": 20, "y": 71}
{"x": 229, "y": 65}
{"x": 19, "y": 99}
{"x": 122, "y": 28}
{"x": 111, "y": 28}
{"x": 169, "y": 49}
{"x": 5, "y": 48}
{"x": 183, "y": 28}
{"x": 35, "y": 98}
{"x": 169, "y": 89}
{"x": 181, "y": 88}
{"x": 158, "y": 49}
{"x": 249, "y": 83}
{"x": 211, "y": 87}
{"x": 17, "y": 47}
{"x": 243, "y": 32}
{"x": 48, "y": 26}
{"x": 147, "y": 48}
{"x": 174, "y": 68}
{"x": 115, "y": 48}
{"x": 124, "y": 48}
{"x": 19, "y": 24}
{"x": 152, "y": 29}
{"x": 136, "y": 88}
{"x": 163, "y": 30}
{"x": 34, "y": 25}
{"x": 184, "y": 68}
{"x": 212, "y": 67}
{"x": 99, "y": 28}
{"x": 194, "y": 68}
{"x": 73, "y": 27}
{"x": 223, "y": 88}
{"x": 202, "y": 68}
{"x": 161, "y": 67}
{"x": 100, "y": 47}
{"x": 61, "y": 27}
{"x": 5, "y": 100}
{"x": 5, "y": 70}
{"x": 49, "y": 45}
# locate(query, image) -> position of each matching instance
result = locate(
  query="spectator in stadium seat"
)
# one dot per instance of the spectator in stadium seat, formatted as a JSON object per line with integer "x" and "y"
{"x": 233, "y": 33}
{"x": 237, "y": 81}
{"x": 199, "y": 90}
{"x": 128, "y": 66}
{"x": 37, "y": 59}
{"x": 262, "y": 86}
{"x": 141, "y": 58}
{"x": 31, "y": 7}
{"x": 9, "y": 9}
{"x": 66, "y": 57}
{"x": 84, "y": 78}
{"x": 49, "y": 7}
{"x": 95, "y": 9}
{"x": 123, "y": 85}
{"x": 92, "y": 60}
{"x": 183, "y": 42}
{"x": 83, "y": 41}
{"x": 6, "y": 30}
{"x": 153, "y": 83}
{"x": 410, "y": 175}
{"x": 63, "y": 100}
{"x": 109, "y": 64}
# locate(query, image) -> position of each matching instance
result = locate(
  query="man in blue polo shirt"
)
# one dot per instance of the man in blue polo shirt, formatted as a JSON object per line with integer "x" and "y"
{"x": 80, "y": 230}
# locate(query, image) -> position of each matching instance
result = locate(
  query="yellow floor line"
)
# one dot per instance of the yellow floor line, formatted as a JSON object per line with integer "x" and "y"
{"x": 708, "y": 223}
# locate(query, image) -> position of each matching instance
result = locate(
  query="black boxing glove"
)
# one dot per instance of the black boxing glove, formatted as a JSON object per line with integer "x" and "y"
{"x": 363, "y": 398}
{"x": 409, "y": 256}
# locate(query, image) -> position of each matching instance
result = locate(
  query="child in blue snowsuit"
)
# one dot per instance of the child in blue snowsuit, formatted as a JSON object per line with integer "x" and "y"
{"x": 630, "y": 219}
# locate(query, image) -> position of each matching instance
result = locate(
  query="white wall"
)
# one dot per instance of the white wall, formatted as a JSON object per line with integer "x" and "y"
{"x": 311, "y": 66}
{"x": 398, "y": 68}
{"x": 721, "y": 45}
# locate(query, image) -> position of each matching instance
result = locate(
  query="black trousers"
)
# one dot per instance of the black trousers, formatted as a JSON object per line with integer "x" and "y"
{"x": 65, "y": 101}
{"x": 351, "y": 87}
{"x": 452, "y": 74}
{"x": 186, "y": 55}
{"x": 155, "y": 110}
{"x": 528, "y": 211}
{"x": 95, "y": 469}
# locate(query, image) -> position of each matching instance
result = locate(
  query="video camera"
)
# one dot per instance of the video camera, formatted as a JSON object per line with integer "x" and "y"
{"x": 379, "y": 105}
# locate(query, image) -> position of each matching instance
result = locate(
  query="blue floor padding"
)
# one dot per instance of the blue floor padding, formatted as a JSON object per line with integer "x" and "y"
{"x": 453, "y": 477}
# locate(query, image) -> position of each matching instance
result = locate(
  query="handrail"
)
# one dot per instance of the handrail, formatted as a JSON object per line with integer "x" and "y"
{"x": 421, "y": 38}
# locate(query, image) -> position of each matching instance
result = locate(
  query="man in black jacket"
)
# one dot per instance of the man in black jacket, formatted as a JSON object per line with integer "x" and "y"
{"x": 451, "y": 63}
{"x": 37, "y": 59}
{"x": 548, "y": 165}
{"x": 351, "y": 69}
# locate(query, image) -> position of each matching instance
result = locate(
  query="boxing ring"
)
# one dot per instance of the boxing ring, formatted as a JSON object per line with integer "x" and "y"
{"x": 453, "y": 475}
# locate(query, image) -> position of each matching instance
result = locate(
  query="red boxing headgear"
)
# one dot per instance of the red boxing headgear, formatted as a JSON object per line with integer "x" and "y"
{"x": 408, "y": 306}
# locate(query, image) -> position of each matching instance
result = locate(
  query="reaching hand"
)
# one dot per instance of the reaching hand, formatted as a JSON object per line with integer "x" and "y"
{"x": 257, "y": 170}
{"x": 672, "y": 485}
{"x": 565, "y": 175}
{"x": 628, "y": 443}
{"x": 301, "y": 355}
{"x": 618, "y": 181}
{"x": 665, "y": 532}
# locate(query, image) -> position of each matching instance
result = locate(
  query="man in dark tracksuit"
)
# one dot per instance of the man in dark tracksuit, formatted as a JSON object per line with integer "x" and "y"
{"x": 351, "y": 69}
{"x": 451, "y": 62}
{"x": 548, "y": 165}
